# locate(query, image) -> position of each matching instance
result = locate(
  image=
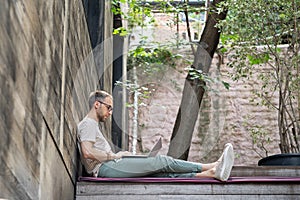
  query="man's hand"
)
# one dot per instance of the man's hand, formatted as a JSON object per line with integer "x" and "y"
{"x": 123, "y": 153}
{"x": 90, "y": 152}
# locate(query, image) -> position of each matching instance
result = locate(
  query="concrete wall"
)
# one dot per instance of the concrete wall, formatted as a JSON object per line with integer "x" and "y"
{"x": 46, "y": 73}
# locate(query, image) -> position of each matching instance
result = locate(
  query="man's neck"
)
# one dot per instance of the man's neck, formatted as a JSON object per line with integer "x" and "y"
{"x": 93, "y": 116}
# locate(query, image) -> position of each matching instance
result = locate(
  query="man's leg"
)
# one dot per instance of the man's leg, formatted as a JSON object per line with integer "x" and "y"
{"x": 139, "y": 167}
{"x": 168, "y": 167}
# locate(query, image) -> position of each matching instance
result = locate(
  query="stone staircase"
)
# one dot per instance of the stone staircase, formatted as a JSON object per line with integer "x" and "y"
{"x": 174, "y": 190}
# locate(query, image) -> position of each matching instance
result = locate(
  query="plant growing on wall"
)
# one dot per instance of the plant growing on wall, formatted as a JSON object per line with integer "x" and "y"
{"x": 255, "y": 31}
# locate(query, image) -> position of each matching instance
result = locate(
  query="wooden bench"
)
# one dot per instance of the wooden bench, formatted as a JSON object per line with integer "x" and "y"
{"x": 248, "y": 182}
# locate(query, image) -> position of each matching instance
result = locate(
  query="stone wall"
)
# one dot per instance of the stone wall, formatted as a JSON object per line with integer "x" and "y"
{"x": 46, "y": 73}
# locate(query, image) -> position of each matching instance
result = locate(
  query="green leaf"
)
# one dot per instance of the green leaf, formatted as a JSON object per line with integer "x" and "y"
{"x": 226, "y": 85}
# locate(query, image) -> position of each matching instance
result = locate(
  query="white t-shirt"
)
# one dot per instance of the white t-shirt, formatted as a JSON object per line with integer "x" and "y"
{"x": 88, "y": 130}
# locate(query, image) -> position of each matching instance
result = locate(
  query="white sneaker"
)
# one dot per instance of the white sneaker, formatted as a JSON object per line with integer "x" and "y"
{"x": 224, "y": 168}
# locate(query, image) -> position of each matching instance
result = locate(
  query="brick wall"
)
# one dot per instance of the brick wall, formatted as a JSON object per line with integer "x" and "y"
{"x": 225, "y": 115}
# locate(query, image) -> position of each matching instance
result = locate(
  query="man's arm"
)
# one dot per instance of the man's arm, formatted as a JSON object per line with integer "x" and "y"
{"x": 89, "y": 152}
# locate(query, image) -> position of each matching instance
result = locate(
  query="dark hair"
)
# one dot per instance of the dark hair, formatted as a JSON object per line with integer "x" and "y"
{"x": 98, "y": 95}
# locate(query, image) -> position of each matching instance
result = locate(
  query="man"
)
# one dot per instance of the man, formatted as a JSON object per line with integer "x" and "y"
{"x": 99, "y": 160}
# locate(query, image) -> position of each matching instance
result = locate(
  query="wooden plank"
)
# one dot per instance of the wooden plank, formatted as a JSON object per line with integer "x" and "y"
{"x": 291, "y": 171}
{"x": 254, "y": 190}
{"x": 188, "y": 197}
{"x": 186, "y": 189}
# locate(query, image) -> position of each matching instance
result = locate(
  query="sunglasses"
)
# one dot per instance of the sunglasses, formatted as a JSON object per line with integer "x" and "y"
{"x": 109, "y": 107}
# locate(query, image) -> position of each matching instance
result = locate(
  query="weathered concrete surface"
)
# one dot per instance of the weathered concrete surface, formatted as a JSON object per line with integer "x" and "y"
{"x": 46, "y": 73}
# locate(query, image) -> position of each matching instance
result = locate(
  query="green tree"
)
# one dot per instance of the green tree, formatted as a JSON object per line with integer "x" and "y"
{"x": 195, "y": 86}
{"x": 194, "y": 89}
{"x": 254, "y": 33}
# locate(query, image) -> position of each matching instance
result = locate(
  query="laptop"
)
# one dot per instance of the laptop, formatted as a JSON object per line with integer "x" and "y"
{"x": 155, "y": 149}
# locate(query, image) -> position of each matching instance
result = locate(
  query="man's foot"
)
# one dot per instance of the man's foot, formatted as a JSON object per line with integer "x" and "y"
{"x": 225, "y": 163}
